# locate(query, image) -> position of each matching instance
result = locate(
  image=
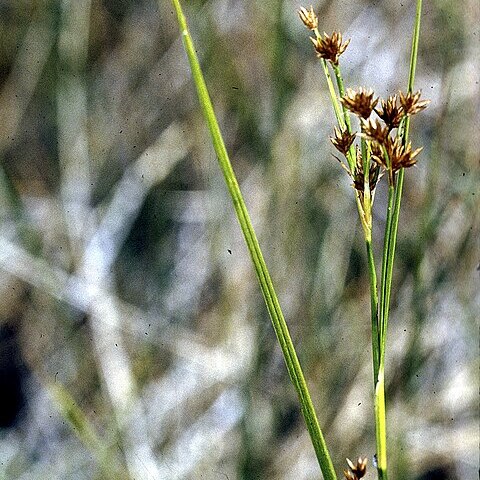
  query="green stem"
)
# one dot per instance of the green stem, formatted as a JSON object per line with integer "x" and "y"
{"x": 373, "y": 309}
{"x": 415, "y": 42}
{"x": 346, "y": 117}
{"x": 380, "y": 411}
{"x": 341, "y": 91}
{"x": 404, "y": 135}
{"x": 400, "y": 178}
{"x": 381, "y": 424}
{"x": 333, "y": 95}
{"x": 392, "y": 245}
{"x": 391, "y": 230}
{"x": 385, "y": 260}
{"x": 367, "y": 196}
{"x": 273, "y": 306}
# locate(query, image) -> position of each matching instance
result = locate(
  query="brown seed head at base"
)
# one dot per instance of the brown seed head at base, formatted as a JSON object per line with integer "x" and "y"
{"x": 360, "y": 102}
{"x": 359, "y": 177}
{"x": 411, "y": 103}
{"x": 390, "y": 112}
{"x": 342, "y": 140}
{"x": 349, "y": 475}
{"x": 308, "y": 17}
{"x": 360, "y": 469}
{"x": 330, "y": 47}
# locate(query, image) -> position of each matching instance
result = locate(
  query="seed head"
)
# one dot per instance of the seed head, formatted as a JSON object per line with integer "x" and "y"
{"x": 399, "y": 155}
{"x": 329, "y": 47}
{"x": 349, "y": 475}
{"x": 357, "y": 471}
{"x": 360, "y": 468}
{"x": 308, "y": 17}
{"x": 411, "y": 103}
{"x": 374, "y": 130}
{"x": 377, "y": 154}
{"x": 342, "y": 140}
{"x": 358, "y": 175}
{"x": 359, "y": 102}
{"x": 390, "y": 112}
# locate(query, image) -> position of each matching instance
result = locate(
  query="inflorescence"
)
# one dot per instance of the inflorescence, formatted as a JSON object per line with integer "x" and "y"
{"x": 383, "y": 136}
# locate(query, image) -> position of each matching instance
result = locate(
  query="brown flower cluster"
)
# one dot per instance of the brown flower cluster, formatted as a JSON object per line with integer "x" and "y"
{"x": 342, "y": 140}
{"x": 387, "y": 150}
{"x": 411, "y": 103}
{"x": 356, "y": 471}
{"x": 308, "y": 17}
{"x": 358, "y": 175}
{"x": 330, "y": 47}
{"x": 390, "y": 112}
{"x": 359, "y": 102}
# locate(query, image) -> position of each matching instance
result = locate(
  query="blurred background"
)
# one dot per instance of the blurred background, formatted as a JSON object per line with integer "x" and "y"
{"x": 134, "y": 341}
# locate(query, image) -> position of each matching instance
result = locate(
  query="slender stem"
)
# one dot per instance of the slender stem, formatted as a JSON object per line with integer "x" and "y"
{"x": 381, "y": 424}
{"x": 276, "y": 315}
{"x": 333, "y": 95}
{"x": 391, "y": 229}
{"x": 385, "y": 259}
{"x": 415, "y": 42}
{"x": 341, "y": 91}
{"x": 400, "y": 178}
{"x": 331, "y": 88}
{"x": 346, "y": 118}
{"x": 380, "y": 410}
{"x": 373, "y": 309}
{"x": 404, "y": 134}
{"x": 391, "y": 248}
{"x": 367, "y": 200}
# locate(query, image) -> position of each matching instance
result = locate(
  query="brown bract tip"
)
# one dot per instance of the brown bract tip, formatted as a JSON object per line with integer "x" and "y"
{"x": 360, "y": 101}
{"x": 377, "y": 154}
{"x": 308, "y": 17}
{"x": 330, "y": 47}
{"x": 356, "y": 471}
{"x": 349, "y": 475}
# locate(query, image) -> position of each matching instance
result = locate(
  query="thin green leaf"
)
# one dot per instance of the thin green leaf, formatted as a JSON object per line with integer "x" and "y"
{"x": 271, "y": 300}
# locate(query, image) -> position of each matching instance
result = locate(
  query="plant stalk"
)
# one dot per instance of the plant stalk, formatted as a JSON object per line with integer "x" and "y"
{"x": 271, "y": 300}
{"x": 341, "y": 91}
{"x": 391, "y": 229}
{"x": 373, "y": 309}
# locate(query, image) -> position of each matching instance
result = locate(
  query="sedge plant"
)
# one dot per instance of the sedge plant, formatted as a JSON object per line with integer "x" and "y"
{"x": 379, "y": 150}
{"x": 384, "y": 150}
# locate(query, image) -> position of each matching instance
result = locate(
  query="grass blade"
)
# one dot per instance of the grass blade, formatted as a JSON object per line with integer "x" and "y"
{"x": 271, "y": 300}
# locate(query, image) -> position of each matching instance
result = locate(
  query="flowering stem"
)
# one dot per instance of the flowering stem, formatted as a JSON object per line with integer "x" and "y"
{"x": 346, "y": 117}
{"x": 380, "y": 424}
{"x": 373, "y": 309}
{"x": 380, "y": 410}
{"x": 271, "y": 300}
{"x": 341, "y": 91}
{"x": 333, "y": 95}
{"x": 391, "y": 229}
